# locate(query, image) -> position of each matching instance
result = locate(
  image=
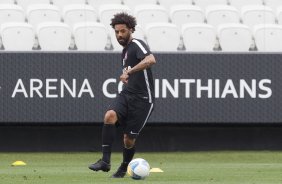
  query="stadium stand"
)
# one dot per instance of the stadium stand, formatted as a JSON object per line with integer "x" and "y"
{"x": 148, "y": 13}
{"x": 279, "y": 14}
{"x": 221, "y": 14}
{"x": 268, "y": 37}
{"x": 26, "y": 3}
{"x": 62, "y": 3}
{"x": 11, "y": 13}
{"x": 198, "y": 37}
{"x": 208, "y": 13}
{"x": 133, "y": 3}
{"x": 90, "y": 36}
{"x": 234, "y": 37}
{"x": 273, "y": 3}
{"x": 257, "y": 14}
{"x": 205, "y": 3}
{"x": 17, "y": 36}
{"x": 39, "y": 13}
{"x": 240, "y": 3}
{"x": 7, "y": 2}
{"x": 54, "y": 36}
{"x": 169, "y": 3}
{"x": 97, "y": 3}
{"x": 75, "y": 13}
{"x": 182, "y": 13}
{"x": 139, "y": 33}
{"x": 163, "y": 36}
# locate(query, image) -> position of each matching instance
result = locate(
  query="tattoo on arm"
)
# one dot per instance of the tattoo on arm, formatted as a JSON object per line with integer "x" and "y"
{"x": 145, "y": 63}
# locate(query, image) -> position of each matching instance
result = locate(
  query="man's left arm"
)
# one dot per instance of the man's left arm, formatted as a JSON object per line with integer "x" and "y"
{"x": 143, "y": 64}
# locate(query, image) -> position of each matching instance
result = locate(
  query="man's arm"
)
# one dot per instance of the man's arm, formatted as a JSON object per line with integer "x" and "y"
{"x": 145, "y": 63}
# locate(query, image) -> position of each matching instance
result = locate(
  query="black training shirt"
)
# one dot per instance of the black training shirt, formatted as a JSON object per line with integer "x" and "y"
{"x": 140, "y": 82}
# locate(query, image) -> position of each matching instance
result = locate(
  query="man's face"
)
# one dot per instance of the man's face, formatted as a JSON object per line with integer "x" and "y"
{"x": 123, "y": 34}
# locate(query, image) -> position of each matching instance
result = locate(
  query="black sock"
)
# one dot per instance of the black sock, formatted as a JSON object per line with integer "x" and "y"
{"x": 128, "y": 155}
{"x": 108, "y": 135}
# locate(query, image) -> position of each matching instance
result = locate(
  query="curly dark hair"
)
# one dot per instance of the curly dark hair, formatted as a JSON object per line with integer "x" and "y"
{"x": 124, "y": 18}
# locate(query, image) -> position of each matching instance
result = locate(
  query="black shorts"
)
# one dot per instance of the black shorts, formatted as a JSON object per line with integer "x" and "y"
{"x": 132, "y": 111}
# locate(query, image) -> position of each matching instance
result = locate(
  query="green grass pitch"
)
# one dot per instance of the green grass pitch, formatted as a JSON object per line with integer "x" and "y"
{"x": 226, "y": 167}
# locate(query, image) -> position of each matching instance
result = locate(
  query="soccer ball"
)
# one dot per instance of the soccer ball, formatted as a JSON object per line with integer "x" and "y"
{"x": 138, "y": 169}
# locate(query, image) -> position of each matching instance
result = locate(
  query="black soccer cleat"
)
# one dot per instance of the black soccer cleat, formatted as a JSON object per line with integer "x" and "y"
{"x": 100, "y": 165}
{"x": 120, "y": 173}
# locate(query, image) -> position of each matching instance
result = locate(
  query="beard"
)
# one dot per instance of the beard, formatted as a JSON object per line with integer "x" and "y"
{"x": 123, "y": 41}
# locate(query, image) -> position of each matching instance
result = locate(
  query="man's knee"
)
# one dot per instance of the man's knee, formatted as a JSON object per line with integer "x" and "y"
{"x": 110, "y": 117}
{"x": 128, "y": 141}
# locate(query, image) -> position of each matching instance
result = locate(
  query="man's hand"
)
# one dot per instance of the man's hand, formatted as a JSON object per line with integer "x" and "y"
{"x": 124, "y": 77}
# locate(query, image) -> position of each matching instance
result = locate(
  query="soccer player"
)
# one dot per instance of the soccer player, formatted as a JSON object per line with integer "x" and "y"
{"x": 133, "y": 106}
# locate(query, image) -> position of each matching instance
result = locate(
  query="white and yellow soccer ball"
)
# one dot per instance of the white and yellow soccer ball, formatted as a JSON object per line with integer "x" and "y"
{"x": 138, "y": 169}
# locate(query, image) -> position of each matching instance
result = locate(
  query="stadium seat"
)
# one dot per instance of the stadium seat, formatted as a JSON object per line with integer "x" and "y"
{"x": 221, "y": 14}
{"x": 149, "y": 13}
{"x": 106, "y": 12}
{"x": 139, "y": 33}
{"x": 75, "y": 13}
{"x": 162, "y": 36}
{"x": 62, "y": 3}
{"x": 39, "y": 13}
{"x": 7, "y": 2}
{"x": 169, "y": 3}
{"x": 205, "y": 3}
{"x": 259, "y": 14}
{"x": 235, "y": 37}
{"x": 181, "y": 14}
{"x": 17, "y": 36}
{"x": 274, "y": 4}
{"x": 54, "y": 36}
{"x": 25, "y": 3}
{"x": 97, "y": 3}
{"x": 133, "y": 3}
{"x": 268, "y": 37}
{"x": 240, "y": 3}
{"x": 198, "y": 37}
{"x": 90, "y": 36}
{"x": 279, "y": 14}
{"x": 11, "y": 13}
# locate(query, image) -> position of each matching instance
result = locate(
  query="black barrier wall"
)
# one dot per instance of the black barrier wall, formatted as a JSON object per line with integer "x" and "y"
{"x": 189, "y": 88}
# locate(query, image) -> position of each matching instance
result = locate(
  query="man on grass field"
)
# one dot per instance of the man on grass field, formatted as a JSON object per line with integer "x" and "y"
{"x": 134, "y": 105}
